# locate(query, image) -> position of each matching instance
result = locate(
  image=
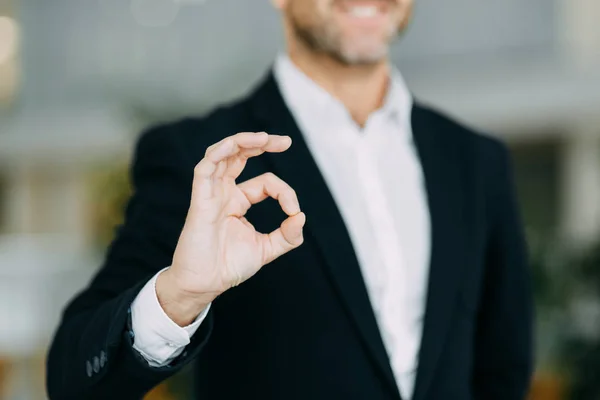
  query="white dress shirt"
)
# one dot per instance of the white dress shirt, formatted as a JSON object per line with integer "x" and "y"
{"x": 375, "y": 177}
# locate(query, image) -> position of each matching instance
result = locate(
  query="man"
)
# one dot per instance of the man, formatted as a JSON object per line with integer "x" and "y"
{"x": 399, "y": 272}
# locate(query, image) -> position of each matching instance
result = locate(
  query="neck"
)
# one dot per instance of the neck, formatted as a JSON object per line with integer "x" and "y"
{"x": 361, "y": 88}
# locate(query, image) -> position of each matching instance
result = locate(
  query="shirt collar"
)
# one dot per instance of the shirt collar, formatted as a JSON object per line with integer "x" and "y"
{"x": 304, "y": 95}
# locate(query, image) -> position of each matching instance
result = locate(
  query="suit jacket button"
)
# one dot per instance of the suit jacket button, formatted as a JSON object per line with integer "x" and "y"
{"x": 96, "y": 364}
{"x": 102, "y": 359}
{"x": 88, "y": 367}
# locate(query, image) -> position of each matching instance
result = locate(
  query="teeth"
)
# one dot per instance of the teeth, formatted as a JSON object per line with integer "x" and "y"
{"x": 363, "y": 11}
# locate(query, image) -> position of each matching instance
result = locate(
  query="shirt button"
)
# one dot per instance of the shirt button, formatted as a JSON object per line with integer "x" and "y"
{"x": 171, "y": 344}
{"x": 88, "y": 367}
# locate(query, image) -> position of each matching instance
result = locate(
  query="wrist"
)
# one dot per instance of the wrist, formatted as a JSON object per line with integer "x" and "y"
{"x": 181, "y": 306}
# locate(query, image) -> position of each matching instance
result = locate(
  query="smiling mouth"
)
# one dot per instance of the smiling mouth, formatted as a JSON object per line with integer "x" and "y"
{"x": 365, "y": 9}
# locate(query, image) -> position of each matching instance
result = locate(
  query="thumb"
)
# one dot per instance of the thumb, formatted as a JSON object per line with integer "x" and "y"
{"x": 287, "y": 237}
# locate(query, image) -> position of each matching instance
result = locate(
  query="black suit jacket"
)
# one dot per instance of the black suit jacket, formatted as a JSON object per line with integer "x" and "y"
{"x": 303, "y": 327}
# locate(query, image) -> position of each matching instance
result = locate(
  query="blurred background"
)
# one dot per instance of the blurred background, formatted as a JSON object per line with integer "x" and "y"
{"x": 80, "y": 80}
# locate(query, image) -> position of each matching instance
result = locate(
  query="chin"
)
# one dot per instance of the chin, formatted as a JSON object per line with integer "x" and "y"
{"x": 363, "y": 55}
{"x": 363, "y": 47}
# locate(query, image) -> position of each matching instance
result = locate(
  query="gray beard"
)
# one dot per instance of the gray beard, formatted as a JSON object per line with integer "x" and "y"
{"x": 322, "y": 43}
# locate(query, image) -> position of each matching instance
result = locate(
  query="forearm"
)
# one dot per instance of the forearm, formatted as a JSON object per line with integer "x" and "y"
{"x": 102, "y": 333}
{"x": 83, "y": 335}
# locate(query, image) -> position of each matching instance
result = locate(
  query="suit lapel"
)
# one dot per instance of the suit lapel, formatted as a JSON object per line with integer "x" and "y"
{"x": 324, "y": 222}
{"x": 441, "y": 166}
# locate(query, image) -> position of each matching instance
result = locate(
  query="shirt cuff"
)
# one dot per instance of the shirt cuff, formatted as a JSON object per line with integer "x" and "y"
{"x": 155, "y": 336}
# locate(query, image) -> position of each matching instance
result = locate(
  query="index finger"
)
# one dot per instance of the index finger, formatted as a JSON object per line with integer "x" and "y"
{"x": 247, "y": 144}
{"x": 254, "y": 140}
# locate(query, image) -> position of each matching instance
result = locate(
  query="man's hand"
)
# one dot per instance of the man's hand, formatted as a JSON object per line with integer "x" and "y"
{"x": 218, "y": 247}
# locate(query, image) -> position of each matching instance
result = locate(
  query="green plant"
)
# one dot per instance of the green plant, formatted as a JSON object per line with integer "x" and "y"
{"x": 581, "y": 349}
{"x": 110, "y": 191}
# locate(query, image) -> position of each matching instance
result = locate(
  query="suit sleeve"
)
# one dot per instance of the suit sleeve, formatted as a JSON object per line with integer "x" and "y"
{"x": 504, "y": 355}
{"x": 91, "y": 356}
